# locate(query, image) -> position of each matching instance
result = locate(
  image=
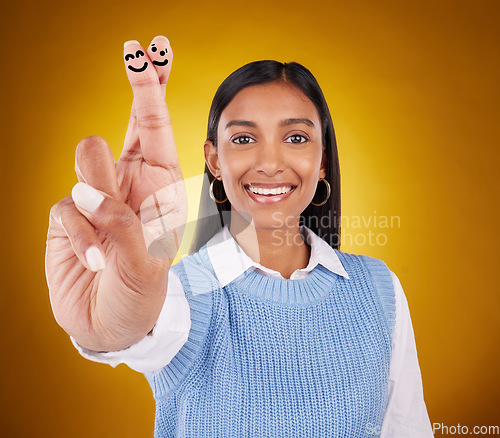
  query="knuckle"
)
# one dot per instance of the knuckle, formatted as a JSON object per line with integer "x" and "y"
{"x": 79, "y": 236}
{"x": 174, "y": 168}
{"x": 61, "y": 203}
{"x": 90, "y": 143}
{"x": 55, "y": 210}
{"x": 122, "y": 216}
{"x": 155, "y": 118}
{"x": 60, "y": 207}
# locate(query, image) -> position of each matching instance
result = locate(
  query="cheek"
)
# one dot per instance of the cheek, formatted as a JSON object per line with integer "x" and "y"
{"x": 307, "y": 164}
{"x": 234, "y": 163}
{"x": 233, "y": 166}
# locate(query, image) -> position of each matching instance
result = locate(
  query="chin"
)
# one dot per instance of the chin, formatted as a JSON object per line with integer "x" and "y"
{"x": 270, "y": 220}
{"x": 277, "y": 222}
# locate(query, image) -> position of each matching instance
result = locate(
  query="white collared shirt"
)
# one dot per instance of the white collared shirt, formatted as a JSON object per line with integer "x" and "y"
{"x": 406, "y": 414}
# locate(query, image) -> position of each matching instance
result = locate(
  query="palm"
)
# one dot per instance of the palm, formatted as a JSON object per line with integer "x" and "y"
{"x": 105, "y": 303}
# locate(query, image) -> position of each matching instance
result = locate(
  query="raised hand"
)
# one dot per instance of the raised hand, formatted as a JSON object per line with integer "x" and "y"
{"x": 110, "y": 245}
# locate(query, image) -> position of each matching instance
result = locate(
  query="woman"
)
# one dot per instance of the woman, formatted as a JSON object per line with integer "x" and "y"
{"x": 267, "y": 328}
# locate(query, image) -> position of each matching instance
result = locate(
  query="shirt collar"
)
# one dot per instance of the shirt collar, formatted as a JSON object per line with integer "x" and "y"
{"x": 230, "y": 261}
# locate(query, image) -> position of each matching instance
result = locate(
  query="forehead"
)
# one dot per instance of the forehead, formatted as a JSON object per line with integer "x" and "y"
{"x": 273, "y": 101}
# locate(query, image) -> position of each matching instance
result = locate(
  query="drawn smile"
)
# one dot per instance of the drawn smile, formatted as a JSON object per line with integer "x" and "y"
{"x": 162, "y": 53}
{"x": 138, "y": 70}
{"x": 138, "y": 54}
{"x": 161, "y": 63}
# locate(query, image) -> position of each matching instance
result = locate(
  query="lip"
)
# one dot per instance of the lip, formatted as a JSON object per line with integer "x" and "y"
{"x": 269, "y": 199}
{"x": 269, "y": 186}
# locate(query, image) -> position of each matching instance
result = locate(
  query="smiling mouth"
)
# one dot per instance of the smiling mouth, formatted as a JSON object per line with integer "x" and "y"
{"x": 138, "y": 70}
{"x": 161, "y": 63}
{"x": 267, "y": 197}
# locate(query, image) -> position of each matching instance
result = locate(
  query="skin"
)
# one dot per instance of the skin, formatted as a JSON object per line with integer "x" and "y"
{"x": 112, "y": 308}
{"x": 269, "y": 153}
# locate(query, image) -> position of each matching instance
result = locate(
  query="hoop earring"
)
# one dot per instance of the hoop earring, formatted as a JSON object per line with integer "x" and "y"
{"x": 212, "y": 192}
{"x": 328, "y": 192}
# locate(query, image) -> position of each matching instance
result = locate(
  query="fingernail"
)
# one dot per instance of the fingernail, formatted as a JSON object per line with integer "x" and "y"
{"x": 161, "y": 36}
{"x": 95, "y": 259}
{"x": 127, "y": 43}
{"x": 86, "y": 196}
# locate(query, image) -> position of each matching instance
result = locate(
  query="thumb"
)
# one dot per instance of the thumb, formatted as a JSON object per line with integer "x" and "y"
{"x": 113, "y": 217}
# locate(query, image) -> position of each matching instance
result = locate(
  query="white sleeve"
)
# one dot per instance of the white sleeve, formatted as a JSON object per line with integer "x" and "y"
{"x": 159, "y": 347}
{"x": 406, "y": 414}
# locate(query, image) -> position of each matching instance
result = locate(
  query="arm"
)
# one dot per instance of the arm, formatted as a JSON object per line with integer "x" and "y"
{"x": 406, "y": 414}
{"x": 158, "y": 348}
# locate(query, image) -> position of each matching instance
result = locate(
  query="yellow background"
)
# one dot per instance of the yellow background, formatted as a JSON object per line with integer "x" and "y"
{"x": 412, "y": 87}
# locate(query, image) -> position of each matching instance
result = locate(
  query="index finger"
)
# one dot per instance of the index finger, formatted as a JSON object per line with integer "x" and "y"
{"x": 153, "y": 118}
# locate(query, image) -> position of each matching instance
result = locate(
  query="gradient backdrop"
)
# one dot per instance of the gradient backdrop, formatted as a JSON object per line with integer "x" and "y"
{"x": 413, "y": 91}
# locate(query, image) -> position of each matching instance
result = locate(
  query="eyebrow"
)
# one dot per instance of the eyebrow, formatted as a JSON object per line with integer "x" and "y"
{"x": 285, "y": 122}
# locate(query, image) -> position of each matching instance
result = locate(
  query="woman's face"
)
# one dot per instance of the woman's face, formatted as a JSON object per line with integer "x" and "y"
{"x": 269, "y": 138}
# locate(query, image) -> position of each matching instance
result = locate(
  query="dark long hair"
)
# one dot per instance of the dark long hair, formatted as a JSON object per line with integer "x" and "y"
{"x": 323, "y": 220}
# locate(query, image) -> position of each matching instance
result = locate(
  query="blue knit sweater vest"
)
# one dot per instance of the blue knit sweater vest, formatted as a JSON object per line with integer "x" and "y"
{"x": 270, "y": 357}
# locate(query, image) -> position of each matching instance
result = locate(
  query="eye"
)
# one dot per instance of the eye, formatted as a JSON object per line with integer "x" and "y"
{"x": 154, "y": 49}
{"x": 296, "y": 138}
{"x": 139, "y": 53}
{"x": 243, "y": 139}
{"x": 129, "y": 56}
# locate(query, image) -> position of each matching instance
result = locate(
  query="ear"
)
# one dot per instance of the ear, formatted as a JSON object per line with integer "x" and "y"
{"x": 211, "y": 158}
{"x": 324, "y": 163}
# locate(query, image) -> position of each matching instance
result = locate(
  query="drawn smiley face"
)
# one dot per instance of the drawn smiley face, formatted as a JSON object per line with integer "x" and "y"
{"x": 162, "y": 53}
{"x": 138, "y": 54}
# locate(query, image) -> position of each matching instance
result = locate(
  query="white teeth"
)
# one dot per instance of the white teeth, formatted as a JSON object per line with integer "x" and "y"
{"x": 276, "y": 191}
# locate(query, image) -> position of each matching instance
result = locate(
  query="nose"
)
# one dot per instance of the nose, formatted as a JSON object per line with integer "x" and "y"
{"x": 270, "y": 158}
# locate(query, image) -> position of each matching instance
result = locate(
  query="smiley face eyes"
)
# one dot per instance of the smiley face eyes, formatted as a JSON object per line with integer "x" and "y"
{"x": 139, "y": 53}
{"x": 129, "y": 56}
{"x": 155, "y": 49}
